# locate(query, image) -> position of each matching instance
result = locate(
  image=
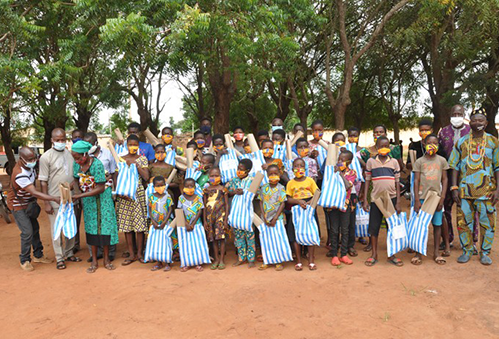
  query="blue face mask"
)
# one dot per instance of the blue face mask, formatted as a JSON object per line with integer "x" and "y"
{"x": 205, "y": 129}
{"x": 29, "y": 164}
{"x": 59, "y": 146}
{"x": 75, "y": 140}
{"x": 275, "y": 128}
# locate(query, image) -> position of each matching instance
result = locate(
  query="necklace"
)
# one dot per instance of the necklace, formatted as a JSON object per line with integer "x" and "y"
{"x": 480, "y": 149}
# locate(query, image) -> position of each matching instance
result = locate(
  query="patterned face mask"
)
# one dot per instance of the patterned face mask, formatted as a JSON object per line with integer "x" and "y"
{"x": 299, "y": 172}
{"x": 215, "y": 181}
{"x": 340, "y": 143}
{"x": 167, "y": 139}
{"x": 303, "y": 152}
{"x": 353, "y": 140}
{"x": 247, "y": 149}
{"x": 318, "y": 135}
{"x": 218, "y": 148}
{"x": 274, "y": 179}
{"x": 268, "y": 152}
{"x": 160, "y": 156}
{"x": 189, "y": 190}
{"x": 241, "y": 174}
{"x": 431, "y": 149}
{"x": 424, "y": 134}
{"x": 384, "y": 151}
{"x": 133, "y": 149}
{"x": 200, "y": 143}
{"x": 160, "y": 189}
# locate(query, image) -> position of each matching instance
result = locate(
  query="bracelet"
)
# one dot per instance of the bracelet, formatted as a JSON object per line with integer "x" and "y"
{"x": 453, "y": 188}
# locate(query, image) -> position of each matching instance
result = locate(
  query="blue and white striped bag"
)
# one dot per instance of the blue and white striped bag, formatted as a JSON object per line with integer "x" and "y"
{"x": 418, "y": 231}
{"x": 413, "y": 176}
{"x": 396, "y": 236}
{"x": 65, "y": 221}
{"x": 192, "y": 246}
{"x": 279, "y": 152}
{"x": 306, "y": 229}
{"x": 228, "y": 165}
{"x": 159, "y": 245}
{"x": 241, "y": 211}
{"x": 355, "y": 165}
{"x": 275, "y": 244}
{"x": 258, "y": 160}
{"x": 121, "y": 149}
{"x": 322, "y": 155}
{"x": 193, "y": 173}
{"x": 361, "y": 222}
{"x": 333, "y": 190}
{"x": 170, "y": 156}
{"x": 149, "y": 191}
{"x": 128, "y": 180}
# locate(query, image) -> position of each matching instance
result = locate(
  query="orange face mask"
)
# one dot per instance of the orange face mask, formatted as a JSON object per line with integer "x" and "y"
{"x": 218, "y": 148}
{"x": 215, "y": 181}
{"x": 353, "y": 140}
{"x": 167, "y": 139}
{"x": 247, "y": 149}
{"x": 340, "y": 143}
{"x": 384, "y": 151}
{"x": 268, "y": 152}
{"x": 160, "y": 189}
{"x": 299, "y": 172}
{"x": 424, "y": 134}
{"x": 318, "y": 135}
{"x": 241, "y": 174}
{"x": 189, "y": 190}
{"x": 133, "y": 149}
{"x": 160, "y": 156}
{"x": 274, "y": 179}
{"x": 303, "y": 152}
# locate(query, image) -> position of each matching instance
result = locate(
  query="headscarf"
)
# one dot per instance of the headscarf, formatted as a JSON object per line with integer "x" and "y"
{"x": 81, "y": 147}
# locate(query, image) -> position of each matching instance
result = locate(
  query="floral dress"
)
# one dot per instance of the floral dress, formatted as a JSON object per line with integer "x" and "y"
{"x": 98, "y": 211}
{"x": 215, "y": 214}
{"x": 159, "y": 207}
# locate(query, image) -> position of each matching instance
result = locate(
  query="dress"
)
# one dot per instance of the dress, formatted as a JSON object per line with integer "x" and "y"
{"x": 190, "y": 208}
{"x": 132, "y": 214}
{"x": 215, "y": 214}
{"x": 98, "y": 211}
{"x": 159, "y": 207}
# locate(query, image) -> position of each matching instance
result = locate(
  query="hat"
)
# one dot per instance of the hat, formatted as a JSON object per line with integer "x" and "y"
{"x": 480, "y": 110}
{"x": 81, "y": 147}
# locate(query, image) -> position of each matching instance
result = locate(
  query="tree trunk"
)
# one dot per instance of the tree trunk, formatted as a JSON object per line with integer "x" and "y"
{"x": 223, "y": 99}
{"x": 7, "y": 140}
{"x": 82, "y": 119}
{"x": 491, "y": 106}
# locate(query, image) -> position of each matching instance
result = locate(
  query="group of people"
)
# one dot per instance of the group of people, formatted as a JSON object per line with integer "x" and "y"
{"x": 460, "y": 164}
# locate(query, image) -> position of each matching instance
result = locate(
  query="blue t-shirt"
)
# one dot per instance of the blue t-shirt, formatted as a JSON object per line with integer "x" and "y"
{"x": 146, "y": 150}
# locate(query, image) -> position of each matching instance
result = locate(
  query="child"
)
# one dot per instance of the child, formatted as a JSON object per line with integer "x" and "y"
{"x": 297, "y": 128}
{"x": 384, "y": 172}
{"x": 244, "y": 240}
{"x": 272, "y": 197}
{"x": 200, "y": 140}
{"x": 317, "y": 131}
{"x": 161, "y": 207}
{"x": 192, "y": 205}
{"x": 238, "y": 134}
{"x": 302, "y": 147}
{"x": 339, "y": 140}
{"x": 167, "y": 137}
{"x": 207, "y": 162}
{"x": 247, "y": 147}
{"x": 299, "y": 191}
{"x": 261, "y": 136}
{"x": 431, "y": 175}
{"x": 268, "y": 152}
{"x": 339, "y": 221}
{"x": 215, "y": 216}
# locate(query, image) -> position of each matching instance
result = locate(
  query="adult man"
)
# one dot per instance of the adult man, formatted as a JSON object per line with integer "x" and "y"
{"x": 475, "y": 174}
{"x": 110, "y": 167}
{"x": 205, "y": 127}
{"x": 448, "y": 137}
{"x": 76, "y": 135}
{"x": 145, "y": 148}
{"x": 22, "y": 202}
{"x": 56, "y": 167}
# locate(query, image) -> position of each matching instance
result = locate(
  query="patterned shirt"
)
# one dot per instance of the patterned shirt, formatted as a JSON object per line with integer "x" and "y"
{"x": 272, "y": 198}
{"x": 236, "y": 183}
{"x": 477, "y": 175}
{"x": 191, "y": 208}
{"x": 449, "y": 136}
{"x": 159, "y": 207}
{"x": 383, "y": 175}
{"x": 312, "y": 167}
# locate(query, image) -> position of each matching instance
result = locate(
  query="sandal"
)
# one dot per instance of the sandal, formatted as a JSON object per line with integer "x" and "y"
{"x": 396, "y": 261}
{"x": 263, "y": 267}
{"x": 446, "y": 254}
{"x": 238, "y": 263}
{"x": 368, "y": 248}
{"x": 416, "y": 261}
{"x": 156, "y": 267}
{"x": 221, "y": 266}
{"x": 214, "y": 266}
{"x": 60, "y": 265}
{"x": 109, "y": 266}
{"x": 279, "y": 267}
{"x": 73, "y": 259}
{"x": 184, "y": 269}
{"x": 299, "y": 267}
{"x": 92, "y": 269}
{"x": 167, "y": 268}
{"x": 251, "y": 264}
{"x": 370, "y": 262}
{"x": 440, "y": 260}
{"x": 199, "y": 268}
{"x": 142, "y": 261}
{"x": 312, "y": 266}
{"x": 352, "y": 252}
{"x": 125, "y": 254}
{"x": 128, "y": 262}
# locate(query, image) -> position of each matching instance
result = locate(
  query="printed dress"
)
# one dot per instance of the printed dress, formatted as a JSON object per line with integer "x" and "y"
{"x": 159, "y": 207}
{"x": 215, "y": 214}
{"x": 190, "y": 208}
{"x": 98, "y": 211}
{"x": 132, "y": 214}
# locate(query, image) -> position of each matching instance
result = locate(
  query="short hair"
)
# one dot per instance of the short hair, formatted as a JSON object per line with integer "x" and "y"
{"x": 262, "y": 132}
{"x": 316, "y": 122}
{"x": 210, "y": 156}
{"x": 214, "y": 168}
{"x": 267, "y": 140}
{"x": 425, "y": 122}
{"x": 353, "y": 129}
{"x": 247, "y": 163}
{"x": 192, "y": 143}
{"x": 238, "y": 127}
{"x": 281, "y": 132}
{"x": 197, "y": 133}
{"x": 134, "y": 125}
{"x": 431, "y": 136}
{"x": 350, "y": 154}
{"x": 301, "y": 140}
{"x": 169, "y": 128}
{"x": 298, "y": 159}
{"x": 189, "y": 180}
{"x": 77, "y": 130}
{"x": 90, "y": 136}
{"x": 380, "y": 125}
{"x": 133, "y": 137}
{"x": 205, "y": 118}
{"x": 382, "y": 138}
{"x": 157, "y": 179}
{"x": 298, "y": 125}
{"x": 337, "y": 134}
{"x": 277, "y": 118}
{"x": 159, "y": 146}
{"x": 217, "y": 136}
{"x": 272, "y": 166}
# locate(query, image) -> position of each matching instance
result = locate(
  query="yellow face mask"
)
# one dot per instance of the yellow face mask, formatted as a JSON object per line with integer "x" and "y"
{"x": 431, "y": 149}
{"x": 160, "y": 156}
{"x": 218, "y": 148}
{"x": 353, "y": 140}
{"x": 133, "y": 149}
{"x": 160, "y": 189}
{"x": 167, "y": 138}
{"x": 384, "y": 151}
{"x": 274, "y": 179}
{"x": 268, "y": 152}
{"x": 318, "y": 135}
{"x": 247, "y": 149}
{"x": 303, "y": 152}
{"x": 424, "y": 134}
{"x": 189, "y": 190}
{"x": 215, "y": 181}
{"x": 299, "y": 172}
{"x": 241, "y": 174}
{"x": 340, "y": 143}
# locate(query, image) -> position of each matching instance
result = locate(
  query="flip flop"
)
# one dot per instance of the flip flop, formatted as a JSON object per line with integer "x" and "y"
{"x": 352, "y": 252}
{"x": 221, "y": 266}
{"x": 440, "y": 260}
{"x": 370, "y": 262}
{"x": 109, "y": 266}
{"x": 60, "y": 265}
{"x": 416, "y": 261}
{"x": 92, "y": 269}
{"x": 299, "y": 267}
{"x": 446, "y": 254}
{"x": 128, "y": 262}
{"x": 279, "y": 267}
{"x": 167, "y": 268}
{"x": 199, "y": 268}
{"x": 156, "y": 267}
{"x": 312, "y": 267}
{"x": 396, "y": 261}
{"x": 73, "y": 259}
{"x": 185, "y": 269}
{"x": 213, "y": 266}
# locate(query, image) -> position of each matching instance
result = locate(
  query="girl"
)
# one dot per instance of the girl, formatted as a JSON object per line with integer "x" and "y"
{"x": 132, "y": 214}
{"x": 268, "y": 152}
{"x": 302, "y": 147}
{"x": 161, "y": 207}
{"x": 238, "y": 134}
{"x": 317, "y": 132}
{"x": 215, "y": 198}
{"x": 167, "y": 137}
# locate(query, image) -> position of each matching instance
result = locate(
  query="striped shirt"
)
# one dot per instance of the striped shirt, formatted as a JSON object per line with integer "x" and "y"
{"x": 383, "y": 175}
{"x": 20, "y": 179}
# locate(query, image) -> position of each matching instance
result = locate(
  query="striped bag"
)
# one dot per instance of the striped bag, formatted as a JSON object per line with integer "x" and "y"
{"x": 275, "y": 244}
{"x": 279, "y": 152}
{"x": 361, "y": 222}
{"x": 65, "y": 221}
{"x": 149, "y": 191}
{"x": 322, "y": 155}
{"x": 128, "y": 180}
{"x": 228, "y": 165}
{"x": 159, "y": 245}
{"x": 396, "y": 236}
{"x": 193, "y": 173}
{"x": 355, "y": 165}
{"x": 333, "y": 189}
{"x": 121, "y": 149}
{"x": 418, "y": 231}
{"x": 170, "y": 156}
{"x": 193, "y": 247}
{"x": 306, "y": 230}
{"x": 241, "y": 211}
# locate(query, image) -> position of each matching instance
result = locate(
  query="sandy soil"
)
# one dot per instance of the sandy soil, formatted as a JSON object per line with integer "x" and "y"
{"x": 430, "y": 301}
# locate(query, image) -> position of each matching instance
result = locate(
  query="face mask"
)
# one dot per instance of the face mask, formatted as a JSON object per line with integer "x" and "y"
{"x": 160, "y": 189}
{"x": 375, "y": 138}
{"x": 205, "y": 129}
{"x": 457, "y": 121}
{"x": 59, "y": 146}
{"x": 218, "y": 148}
{"x": 167, "y": 139}
{"x": 274, "y": 179}
{"x": 431, "y": 149}
{"x": 343, "y": 165}
{"x": 424, "y": 134}
{"x": 275, "y": 128}
{"x": 318, "y": 135}
{"x": 384, "y": 151}
{"x": 238, "y": 136}
{"x": 340, "y": 143}
{"x": 480, "y": 128}
{"x": 241, "y": 174}
{"x": 277, "y": 143}
{"x": 189, "y": 190}
{"x": 303, "y": 152}
{"x": 215, "y": 181}
{"x": 93, "y": 149}
{"x": 353, "y": 140}
{"x": 75, "y": 140}
{"x": 29, "y": 164}
{"x": 268, "y": 152}
{"x": 202, "y": 168}
{"x": 200, "y": 143}
{"x": 133, "y": 149}
{"x": 247, "y": 149}
{"x": 299, "y": 172}
{"x": 160, "y": 156}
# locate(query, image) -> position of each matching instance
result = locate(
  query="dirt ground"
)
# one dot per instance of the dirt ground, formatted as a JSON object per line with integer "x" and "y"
{"x": 427, "y": 301}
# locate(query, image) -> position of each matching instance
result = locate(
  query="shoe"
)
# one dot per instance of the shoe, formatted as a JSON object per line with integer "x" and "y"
{"x": 463, "y": 258}
{"x": 346, "y": 260}
{"x": 485, "y": 259}
{"x": 27, "y": 266}
{"x": 43, "y": 260}
{"x": 335, "y": 261}
{"x": 330, "y": 254}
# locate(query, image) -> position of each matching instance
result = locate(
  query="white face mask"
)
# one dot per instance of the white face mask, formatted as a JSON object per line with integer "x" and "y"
{"x": 457, "y": 121}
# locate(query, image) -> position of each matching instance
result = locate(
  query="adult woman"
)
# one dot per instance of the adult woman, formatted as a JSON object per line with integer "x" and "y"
{"x": 98, "y": 206}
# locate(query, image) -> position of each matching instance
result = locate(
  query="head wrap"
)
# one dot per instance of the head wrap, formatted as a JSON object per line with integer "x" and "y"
{"x": 480, "y": 110}
{"x": 81, "y": 147}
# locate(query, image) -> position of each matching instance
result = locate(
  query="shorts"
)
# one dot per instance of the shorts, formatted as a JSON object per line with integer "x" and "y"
{"x": 437, "y": 216}
{"x": 375, "y": 218}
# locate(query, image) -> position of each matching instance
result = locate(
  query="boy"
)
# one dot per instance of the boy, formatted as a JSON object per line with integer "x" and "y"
{"x": 300, "y": 191}
{"x": 302, "y": 147}
{"x": 238, "y": 134}
{"x": 384, "y": 172}
{"x": 167, "y": 137}
{"x": 272, "y": 197}
{"x": 425, "y": 129}
{"x": 278, "y": 137}
{"x": 431, "y": 175}
{"x": 244, "y": 240}
{"x": 277, "y": 123}
{"x": 200, "y": 140}
{"x": 207, "y": 162}
{"x": 261, "y": 136}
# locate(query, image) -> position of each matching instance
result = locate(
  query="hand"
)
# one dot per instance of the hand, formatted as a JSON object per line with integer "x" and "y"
{"x": 495, "y": 198}
{"x": 56, "y": 200}
{"x": 397, "y": 207}
{"x": 224, "y": 151}
{"x": 456, "y": 198}
{"x": 264, "y": 166}
{"x": 189, "y": 227}
{"x": 303, "y": 204}
{"x": 239, "y": 191}
{"x": 120, "y": 142}
{"x": 76, "y": 197}
{"x": 417, "y": 206}
{"x": 206, "y": 226}
{"x": 365, "y": 206}
{"x": 48, "y": 208}
{"x": 273, "y": 222}
{"x": 336, "y": 168}
{"x": 440, "y": 205}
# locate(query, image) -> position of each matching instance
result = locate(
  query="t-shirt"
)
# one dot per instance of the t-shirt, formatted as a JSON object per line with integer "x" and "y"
{"x": 236, "y": 183}
{"x": 107, "y": 160}
{"x": 301, "y": 189}
{"x": 145, "y": 149}
{"x": 56, "y": 167}
{"x": 272, "y": 198}
{"x": 420, "y": 150}
{"x": 383, "y": 175}
{"x": 18, "y": 198}
{"x": 431, "y": 174}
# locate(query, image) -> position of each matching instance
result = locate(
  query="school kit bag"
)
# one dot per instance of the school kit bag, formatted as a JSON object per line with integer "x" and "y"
{"x": 306, "y": 229}
{"x": 128, "y": 180}
{"x": 355, "y": 165}
{"x": 159, "y": 245}
{"x": 361, "y": 222}
{"x": 241, "y": 208}
{"x": 419, "y": 223}
{"x": 192, "y": 245}
{"x": 274, "y": 242}
{"x": 228, "y": 165}
{"x": 65, "y": 221}
{"x": 334, "y": 192}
